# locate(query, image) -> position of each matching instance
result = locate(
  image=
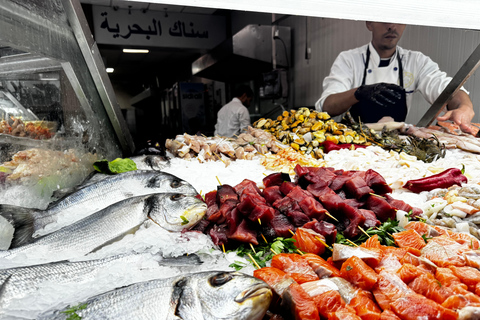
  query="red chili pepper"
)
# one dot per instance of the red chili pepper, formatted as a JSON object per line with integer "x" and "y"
{"x": 444, "y": 179}
{"x": 329, "y": 146}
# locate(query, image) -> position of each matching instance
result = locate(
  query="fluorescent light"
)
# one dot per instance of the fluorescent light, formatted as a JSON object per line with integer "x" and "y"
{"x": 135, "y": 50}
{"x": 109, "y": 70}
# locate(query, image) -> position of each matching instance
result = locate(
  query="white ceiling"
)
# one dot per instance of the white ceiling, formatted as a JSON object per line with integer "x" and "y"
{"x": 126, "y": 4}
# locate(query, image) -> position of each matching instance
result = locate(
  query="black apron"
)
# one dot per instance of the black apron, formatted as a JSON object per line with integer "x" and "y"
{"x": 370, "y": 112}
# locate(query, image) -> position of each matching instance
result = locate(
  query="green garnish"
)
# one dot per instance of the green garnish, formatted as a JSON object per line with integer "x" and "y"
{"x": 263, "y": 252}
{"x": 72, "y": 312}
{"x": 425, "y": 238}
{"x": 237, "y": 265}
{"x": 439, "y": 283}
{"x": 384, "y": 233}
{"x": 118, "y": 165}
{"x": 463, "y": 169}
{"x": 184, "y": 220}
{"x": 348, "y": 268}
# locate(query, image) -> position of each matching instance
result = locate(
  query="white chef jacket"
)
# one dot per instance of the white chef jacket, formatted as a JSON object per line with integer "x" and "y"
{"x": 420, "y": 73}
{"x": 232, "y": 118}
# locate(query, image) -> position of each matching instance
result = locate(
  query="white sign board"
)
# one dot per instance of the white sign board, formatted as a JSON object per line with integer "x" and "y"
{"x": 157, "y": 29}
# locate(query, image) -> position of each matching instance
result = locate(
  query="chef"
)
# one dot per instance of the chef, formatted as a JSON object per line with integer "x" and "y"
{"x": 233, "y": 118}
{"x": 378, "y": 80}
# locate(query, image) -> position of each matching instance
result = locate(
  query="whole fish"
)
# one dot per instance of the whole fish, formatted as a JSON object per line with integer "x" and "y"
{"x": 171, "y": 211}
{"x": 89, "y": 199}
{"x": 17, "y": 283}
{"x": 151, "y": 162}
{"x": 204, "y": 295}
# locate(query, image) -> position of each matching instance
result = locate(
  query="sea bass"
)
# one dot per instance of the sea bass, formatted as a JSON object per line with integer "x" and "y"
{"x": 151, "y": 162}
{"x": 18, "y": 283}
{"x": 90, "y": 199}
{"x": 171, "y": 211}
{"x": 204, "y": 295}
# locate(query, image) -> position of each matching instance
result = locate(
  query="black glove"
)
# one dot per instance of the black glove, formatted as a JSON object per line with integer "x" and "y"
{"x": 383, "y": 94}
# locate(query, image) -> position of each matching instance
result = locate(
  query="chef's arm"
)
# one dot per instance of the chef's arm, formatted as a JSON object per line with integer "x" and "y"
{"x": 338, "y": 103}
{"x": 460, "y": 111}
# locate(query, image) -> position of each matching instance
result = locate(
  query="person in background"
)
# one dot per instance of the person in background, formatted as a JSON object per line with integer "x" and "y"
{"x": 234, "y": 117}
{"x": 378, "y": 80}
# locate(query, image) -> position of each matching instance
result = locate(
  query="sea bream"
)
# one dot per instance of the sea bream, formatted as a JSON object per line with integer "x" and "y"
{"x": 171, "y": 211}
{"x": 90, "y": 199}
{"x": 18, "y": 283}
{"x": 208, "y": 295}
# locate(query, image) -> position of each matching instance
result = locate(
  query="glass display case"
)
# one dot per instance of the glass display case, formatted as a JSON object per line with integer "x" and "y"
{"x": 58, "y": 111}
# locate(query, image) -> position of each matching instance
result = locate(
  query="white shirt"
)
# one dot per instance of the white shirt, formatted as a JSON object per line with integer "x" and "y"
{"x": 420, "y": 73}
{"x": 232, "y": 118}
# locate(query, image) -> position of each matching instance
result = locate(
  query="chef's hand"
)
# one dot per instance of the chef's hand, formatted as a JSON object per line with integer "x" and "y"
{"x": 462, "y": 116}
{"x": 382, "y": 94}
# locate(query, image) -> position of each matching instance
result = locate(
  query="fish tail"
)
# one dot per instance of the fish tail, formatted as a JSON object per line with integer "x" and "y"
{"x": 185, "y": 260}
{"x": 22, "y": 219}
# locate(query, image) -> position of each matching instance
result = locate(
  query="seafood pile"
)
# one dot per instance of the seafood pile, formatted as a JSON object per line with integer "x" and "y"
{"x": 129, "y": 221}
{"x": 322, "y": 199}
{"x": 16, "y": 127}
{"x": 246, "y": 146}
{"x": 437, "y": 278}
{"x": 462, "y": 141}
{"x": 307, "y": 130}
{"x": 457, "y": 207}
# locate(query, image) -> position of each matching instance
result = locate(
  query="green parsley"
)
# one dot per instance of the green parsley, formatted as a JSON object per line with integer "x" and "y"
{"x": 184, "y": 220}
{"x": 348, "y": 268}
{"x": 72, "y": 312}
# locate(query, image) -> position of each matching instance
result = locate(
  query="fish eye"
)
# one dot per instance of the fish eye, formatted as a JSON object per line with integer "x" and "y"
{"x": 176, "y": 183}
{"x": 220, "y": 279}
{"x": 176, "y": 196}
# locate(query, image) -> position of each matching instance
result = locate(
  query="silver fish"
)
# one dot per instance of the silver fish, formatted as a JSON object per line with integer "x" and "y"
{"x": 90, "y": 199}
{"x": 151, "y": 162}
{"x": 205, "y": 295}
{"x": 172, "y": 212}
{"x": 17, "y": 283}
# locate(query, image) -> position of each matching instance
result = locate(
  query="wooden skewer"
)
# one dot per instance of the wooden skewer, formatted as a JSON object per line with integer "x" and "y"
{"x": 253, "y": 260}
{"x": 323, "y": 242}
{"x": 259, "y": 221}
{"x": 328, "y": 214}
{"x": 218, "y": 180}
{"x": 356, "y": 245}
{"x": 293, "y": 233}
{"x": 223, "y": 247}
{"x": 376, "y": 195}
{"x": 361, "y": 229}
{"x": 273, "y": 251}
{"x": 264, "y": 238}
{"x": 300, "y": 252}
{"x": 253, "y": 249}
{"x": 219, "y": 158}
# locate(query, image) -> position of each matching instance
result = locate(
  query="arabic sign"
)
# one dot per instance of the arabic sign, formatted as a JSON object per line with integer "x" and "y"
{"x": 157, "y": 29}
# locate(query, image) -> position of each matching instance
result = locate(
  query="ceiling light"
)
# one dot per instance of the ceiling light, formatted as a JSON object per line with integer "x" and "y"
{"x": 109, "y": 70}
{"x": 135, "y": 50}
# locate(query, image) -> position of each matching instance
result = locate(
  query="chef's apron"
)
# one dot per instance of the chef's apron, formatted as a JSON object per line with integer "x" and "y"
{"x": 370, "y": 112}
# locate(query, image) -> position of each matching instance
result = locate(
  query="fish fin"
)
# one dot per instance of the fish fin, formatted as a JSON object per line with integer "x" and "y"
{"x": 176, "y": 304}
{"x": 185, "y": 260}
{"x": 3, "y": 287}
{"x": 118, "y": 238}
{"x": 22, "y": 220}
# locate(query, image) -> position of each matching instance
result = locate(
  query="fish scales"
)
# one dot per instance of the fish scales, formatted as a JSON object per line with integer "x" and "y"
{"x": 20, "y": 282}
{"x": 96, "y": 230}
{"x": 204, "y": 295}
{"x": 94, "y": 197}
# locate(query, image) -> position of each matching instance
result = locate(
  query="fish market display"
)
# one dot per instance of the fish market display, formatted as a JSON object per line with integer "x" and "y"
{"x": 205, "y": 295}
{"x": 308, "y": 131}
{"x": 90, "y": 199}
{"x": 246, "y": 146}
{"x": 322, "y": 199}
{"x": 414, "y": 280}
{"x": 172, "y": 212}
{"x": 18, "y": 283}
